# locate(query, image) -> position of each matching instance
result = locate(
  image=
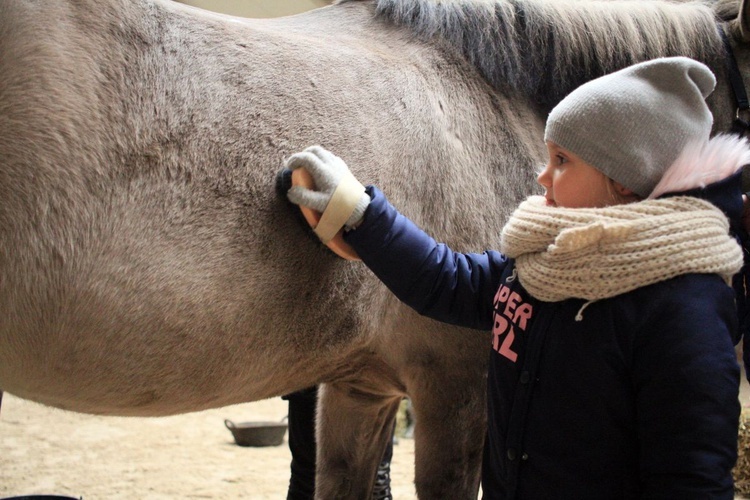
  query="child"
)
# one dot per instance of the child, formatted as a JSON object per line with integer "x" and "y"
{"x": 612, "y": 371}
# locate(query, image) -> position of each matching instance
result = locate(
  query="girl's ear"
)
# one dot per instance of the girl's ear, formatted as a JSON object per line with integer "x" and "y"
{"x": 624, "y": 194}
{"x": 622, "y": 190}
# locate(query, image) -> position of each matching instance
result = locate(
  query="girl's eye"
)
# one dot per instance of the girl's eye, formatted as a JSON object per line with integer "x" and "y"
{"x": 561, "y": 159}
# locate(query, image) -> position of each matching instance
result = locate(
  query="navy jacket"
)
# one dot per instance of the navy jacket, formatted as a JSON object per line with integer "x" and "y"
{"x": 637, "y": 400}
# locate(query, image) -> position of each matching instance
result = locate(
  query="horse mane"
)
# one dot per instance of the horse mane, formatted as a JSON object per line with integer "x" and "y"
{"x": 546, "y": 48}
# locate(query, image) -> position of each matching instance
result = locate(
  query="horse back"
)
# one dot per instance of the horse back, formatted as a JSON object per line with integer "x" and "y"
{"x": 148, "y": 266}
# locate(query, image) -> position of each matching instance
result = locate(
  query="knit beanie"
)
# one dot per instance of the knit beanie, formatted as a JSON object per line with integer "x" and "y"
{"x": 632, "y": 125}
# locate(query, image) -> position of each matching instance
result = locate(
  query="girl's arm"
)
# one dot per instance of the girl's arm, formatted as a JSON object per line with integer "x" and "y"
{"x": 437, "y": 282}
{"x": 428, "y": 276}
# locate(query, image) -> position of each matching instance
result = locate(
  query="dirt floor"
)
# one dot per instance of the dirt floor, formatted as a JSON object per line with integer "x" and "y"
{"x": 43, "y": 450}
{"x": 49, "y": 451}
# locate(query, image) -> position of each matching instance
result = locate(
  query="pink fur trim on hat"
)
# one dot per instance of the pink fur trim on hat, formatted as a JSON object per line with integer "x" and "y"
{"x": 702, "y": 164}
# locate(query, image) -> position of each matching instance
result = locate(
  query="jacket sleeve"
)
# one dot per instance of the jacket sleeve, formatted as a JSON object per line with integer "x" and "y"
{"x": 686, "y": 383}
{"x": 726, "y": 194}
{"x": 428, "y": 276}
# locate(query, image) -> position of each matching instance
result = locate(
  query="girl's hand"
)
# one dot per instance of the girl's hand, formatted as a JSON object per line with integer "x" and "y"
{"x": 328, "y": 172}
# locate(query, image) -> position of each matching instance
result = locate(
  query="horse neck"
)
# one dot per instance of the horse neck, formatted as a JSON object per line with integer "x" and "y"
{"x": 546, "y": 48}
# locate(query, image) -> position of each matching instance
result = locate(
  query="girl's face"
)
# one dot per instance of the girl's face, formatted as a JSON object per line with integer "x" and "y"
{"x": 570, "y": 182}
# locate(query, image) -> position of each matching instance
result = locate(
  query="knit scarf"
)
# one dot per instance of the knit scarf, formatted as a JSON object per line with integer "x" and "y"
{"x": 596, "y": 253}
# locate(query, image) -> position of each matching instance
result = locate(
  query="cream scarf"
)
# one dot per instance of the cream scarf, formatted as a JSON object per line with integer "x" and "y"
{"x": 596, "y": 253}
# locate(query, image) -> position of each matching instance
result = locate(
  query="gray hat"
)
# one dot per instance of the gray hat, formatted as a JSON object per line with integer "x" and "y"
{"x": 633, "y": 124}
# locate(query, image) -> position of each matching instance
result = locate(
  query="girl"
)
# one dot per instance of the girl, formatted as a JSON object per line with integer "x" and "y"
{"x": 612, "y": 370}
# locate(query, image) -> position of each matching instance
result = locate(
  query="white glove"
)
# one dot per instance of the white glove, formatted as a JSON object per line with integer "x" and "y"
{"x": 327, "y": 171}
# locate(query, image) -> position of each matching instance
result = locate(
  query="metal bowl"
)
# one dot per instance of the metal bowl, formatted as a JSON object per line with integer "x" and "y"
{"x": 257, "y": 433}
{"x": 42, "y": 497}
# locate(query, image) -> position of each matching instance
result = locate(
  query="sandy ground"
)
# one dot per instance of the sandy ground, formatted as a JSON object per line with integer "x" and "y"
{"x": 44, "y": 450}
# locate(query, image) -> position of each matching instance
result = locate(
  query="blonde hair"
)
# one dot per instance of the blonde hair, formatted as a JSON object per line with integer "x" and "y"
{"x": 615, "y": 195}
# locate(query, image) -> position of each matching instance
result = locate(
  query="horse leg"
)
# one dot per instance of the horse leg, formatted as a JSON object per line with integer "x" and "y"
{"x": 449, "y": 435}
{"x": 353, "y": 431}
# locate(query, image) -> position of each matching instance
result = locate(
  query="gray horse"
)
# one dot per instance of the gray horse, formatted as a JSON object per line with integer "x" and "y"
{"x": 147, "y": 267}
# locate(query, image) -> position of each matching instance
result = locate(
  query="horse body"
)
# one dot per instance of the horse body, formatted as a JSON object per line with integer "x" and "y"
{"x": 148, "y": 267}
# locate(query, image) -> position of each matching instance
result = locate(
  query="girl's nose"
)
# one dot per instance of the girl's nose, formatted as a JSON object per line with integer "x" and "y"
{"x": 543, "y": 177}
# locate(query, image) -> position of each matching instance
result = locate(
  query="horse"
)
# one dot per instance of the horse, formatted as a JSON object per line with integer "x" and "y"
{"x": 148, "y": 266}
